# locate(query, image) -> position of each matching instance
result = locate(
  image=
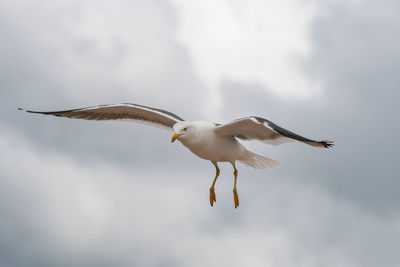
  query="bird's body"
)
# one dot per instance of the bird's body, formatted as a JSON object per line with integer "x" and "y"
{"x": 208, "y": 145}
{"x": 207, "y": 140}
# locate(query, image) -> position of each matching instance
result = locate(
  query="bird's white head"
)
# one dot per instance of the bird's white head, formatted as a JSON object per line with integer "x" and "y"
{"x": 182, "y": 130}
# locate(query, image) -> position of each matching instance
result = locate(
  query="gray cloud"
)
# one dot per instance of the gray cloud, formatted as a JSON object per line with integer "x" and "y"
{"x": 70, "y": 214}
{"x": 62, "y": 68}
{"x": 355, "y": 52}
{"x": 66, "y": 199}
{"x": 353, "y": 56}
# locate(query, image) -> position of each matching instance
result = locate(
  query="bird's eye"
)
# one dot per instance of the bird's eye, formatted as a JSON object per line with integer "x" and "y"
{"x": 185, "y": 128}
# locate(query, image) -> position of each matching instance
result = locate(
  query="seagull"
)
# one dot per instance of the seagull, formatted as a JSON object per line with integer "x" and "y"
{"x": 208, "y": 140}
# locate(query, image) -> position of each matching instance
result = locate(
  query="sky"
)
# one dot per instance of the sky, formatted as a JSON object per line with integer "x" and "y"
{"x": 83, "y": 193}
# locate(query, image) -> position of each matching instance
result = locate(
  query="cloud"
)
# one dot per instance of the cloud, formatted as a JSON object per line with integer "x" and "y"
{"x": 116, "y": 194}
{"x": 100, "y": 50}
{"x": 56, "y": 210}
{"x": 260, "y": 42}
{"x": 352, "y": 55}
{"x": 62, "y": 55}
{"x": 355, "y": 53}
{"x": 98, "y": 213}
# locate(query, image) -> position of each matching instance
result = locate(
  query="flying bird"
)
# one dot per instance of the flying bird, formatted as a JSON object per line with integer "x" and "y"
{"x": 210, "y": 141}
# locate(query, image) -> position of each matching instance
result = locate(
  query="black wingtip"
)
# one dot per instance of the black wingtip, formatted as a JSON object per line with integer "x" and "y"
{"x": 30, "y": 111}
{"x": 327, "y": 143}
{"x": 22, "y": 109}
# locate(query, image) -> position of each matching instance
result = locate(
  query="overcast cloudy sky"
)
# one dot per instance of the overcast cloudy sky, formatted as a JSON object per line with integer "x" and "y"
{"x": 78, "y": 193}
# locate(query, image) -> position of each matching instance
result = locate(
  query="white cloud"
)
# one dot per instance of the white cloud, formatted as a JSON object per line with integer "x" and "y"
{"x": 69, "y": 207}
{"x": 252, "y": 41}
{"x": 121, "y": 216}
{"x": 98, "y": 52}
{"x": 58, "y": 207}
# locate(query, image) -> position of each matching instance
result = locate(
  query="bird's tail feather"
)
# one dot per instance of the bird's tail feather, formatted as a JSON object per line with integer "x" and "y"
{"x": 257, "y": 161}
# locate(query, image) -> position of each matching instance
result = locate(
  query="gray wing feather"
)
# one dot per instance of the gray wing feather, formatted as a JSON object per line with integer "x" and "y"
{"x": 256, "y": 128}
{"x": 132, "y": 112}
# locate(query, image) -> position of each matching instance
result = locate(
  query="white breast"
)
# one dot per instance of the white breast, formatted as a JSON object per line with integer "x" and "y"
{"x": 207, "y": 145}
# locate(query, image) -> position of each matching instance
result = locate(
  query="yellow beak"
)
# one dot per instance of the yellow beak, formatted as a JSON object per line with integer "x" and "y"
{"x": 174, "y": 137}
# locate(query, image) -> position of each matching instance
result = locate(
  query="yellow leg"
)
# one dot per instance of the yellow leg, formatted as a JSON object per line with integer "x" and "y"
{"x": 235, "y": 194}
{"x": 212, "y": 190}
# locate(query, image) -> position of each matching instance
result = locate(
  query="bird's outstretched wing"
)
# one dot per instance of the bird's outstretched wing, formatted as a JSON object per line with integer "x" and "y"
{"x": 132, "y": 112}
{"x": 256, "y": 128}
